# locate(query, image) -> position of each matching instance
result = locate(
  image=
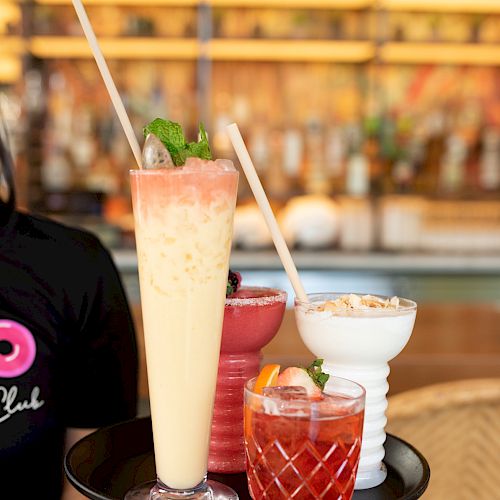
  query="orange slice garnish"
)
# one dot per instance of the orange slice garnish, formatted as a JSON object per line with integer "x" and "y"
{"x": 267, "y": 377}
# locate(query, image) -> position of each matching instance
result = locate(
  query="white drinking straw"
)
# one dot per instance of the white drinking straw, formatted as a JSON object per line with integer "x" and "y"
{"x": 234, "y": 135}
{"x": 108, "y": 80}
{"x": 261, "y": 198}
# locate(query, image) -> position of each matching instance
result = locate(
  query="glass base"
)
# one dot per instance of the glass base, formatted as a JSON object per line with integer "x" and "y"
{"x": 209, "y": 490}
{"x": 371, "y": 478}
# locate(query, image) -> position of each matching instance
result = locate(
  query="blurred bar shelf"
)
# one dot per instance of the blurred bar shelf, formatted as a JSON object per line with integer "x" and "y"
{"x": 462, "y": 6}
{"x": 10, "y": 69}
{"x": 218, "y": 50}
{"x": 275, "y": 4}
{"x": 11, "y": 48}
{"x": 227, "y": 49}
{"x": 12, "y": 45}
{"x": 290, "y": 50}
{"x": 440, "y": 53}
{"x": 296, "y": 4}
{"x": 414, "y": 262}
{"x": 115, "y": 47}
{"x": 129, "y": 3}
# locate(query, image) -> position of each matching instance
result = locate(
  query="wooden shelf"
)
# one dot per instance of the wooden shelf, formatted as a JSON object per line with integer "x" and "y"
{"x": 479, "y": 6}
{"x": 12, "y": 45}
{"x": 10, "y": 69}
{"x": 115, "y": 48}
{"x": 218, "y": 50}
{"x": 290, "y": 50}
{"x": 466, "y": 6}
{"x": 50, "y": 47}
{"x": 440, "y": 53}
{"x": 129, "y": 3}
{"x": 276, "y": 4}
{"x": 11, "y": 48}
{"x": 296, "y": 4}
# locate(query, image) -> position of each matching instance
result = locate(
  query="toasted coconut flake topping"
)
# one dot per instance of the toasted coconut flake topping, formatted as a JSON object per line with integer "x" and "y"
{"x": 359, "y": 302}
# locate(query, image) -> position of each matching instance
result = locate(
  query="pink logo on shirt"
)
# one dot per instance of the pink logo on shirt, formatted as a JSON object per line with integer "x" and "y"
{"x": 18, "y": 349}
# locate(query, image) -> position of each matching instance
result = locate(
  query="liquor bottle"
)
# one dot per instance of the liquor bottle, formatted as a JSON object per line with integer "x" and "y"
{"x": 259, "y": 149}
{"x": 102, "y": 177}
{"x": 357, "y": 181}
{"x": 83, "y": 146}
{"x": 415, "y": 153}
{"x": 220, "y": 140}
{"x": 358, "y": 177}
{"x": 452, "y": 165}
{"x": 60, "y": 108}
{"x": 434, "y": 133}
{"x": 475, "y": 28}
{"x": 293, "y": 156}
{"x": 402, "y": 172}
{"x": 489, "y": 162}
{"x": 335, "y": 157}
{"x": 56, "y": 171}
{"x": 276, "y": 179}
{"x": 405, "y": 157}
{"x": 372, "y": 149}
{"x": 315, "y": 177}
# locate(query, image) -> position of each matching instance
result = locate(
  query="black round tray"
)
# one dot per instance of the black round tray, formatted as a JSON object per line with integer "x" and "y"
{"x": 107, "y": 463}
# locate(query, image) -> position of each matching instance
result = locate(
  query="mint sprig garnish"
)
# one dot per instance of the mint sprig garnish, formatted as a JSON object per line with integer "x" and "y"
{"x": 315, "y": 371}
{"x": 172, "y": 136}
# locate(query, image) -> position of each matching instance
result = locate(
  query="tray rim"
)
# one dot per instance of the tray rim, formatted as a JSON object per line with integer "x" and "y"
{"x": 425, "y": 466}
{"x": 95, "y": 495}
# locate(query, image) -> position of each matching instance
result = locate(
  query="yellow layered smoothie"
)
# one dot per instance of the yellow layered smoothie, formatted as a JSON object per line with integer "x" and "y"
{"x": 183, "y": 226}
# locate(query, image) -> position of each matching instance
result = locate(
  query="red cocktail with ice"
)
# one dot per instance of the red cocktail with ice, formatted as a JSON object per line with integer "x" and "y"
{"x": 301, "y": 447}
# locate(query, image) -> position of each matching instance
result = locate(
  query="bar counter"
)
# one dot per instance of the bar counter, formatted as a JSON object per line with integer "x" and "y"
{"x": 411, "y": 262}
{"x": 458, "y": 296}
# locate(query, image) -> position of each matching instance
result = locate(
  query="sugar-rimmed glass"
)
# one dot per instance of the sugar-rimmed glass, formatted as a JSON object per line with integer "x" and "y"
{"x": 252, "y": 317}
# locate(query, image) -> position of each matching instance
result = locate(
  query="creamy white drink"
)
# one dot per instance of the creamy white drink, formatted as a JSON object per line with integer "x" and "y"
{"x": 357, "y": 336}
{"x": 183, "y": 227}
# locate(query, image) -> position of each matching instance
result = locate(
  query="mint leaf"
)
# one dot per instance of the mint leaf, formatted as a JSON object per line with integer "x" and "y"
{"x": 202, "y": 147}
{"x": 171, "y": 135}
{"x": 316, "y": 373}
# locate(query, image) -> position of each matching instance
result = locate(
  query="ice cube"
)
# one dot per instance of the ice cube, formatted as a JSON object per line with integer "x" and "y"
{"x": 155, "y": 154}
{"x": 196, "y": 164}
{"x": 290, "y": 401}
{"x": 193, "y": 163}
{"x": 286, "y": 393}
{"x": 336, "y": 405}
{"x": 226, "y": 165}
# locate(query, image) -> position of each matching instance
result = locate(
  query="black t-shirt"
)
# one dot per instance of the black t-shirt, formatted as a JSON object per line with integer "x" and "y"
{"x": 68, "y": 355}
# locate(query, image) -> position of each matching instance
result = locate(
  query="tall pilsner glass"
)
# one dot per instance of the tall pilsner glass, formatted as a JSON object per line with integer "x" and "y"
{"x": 183, "y": 227}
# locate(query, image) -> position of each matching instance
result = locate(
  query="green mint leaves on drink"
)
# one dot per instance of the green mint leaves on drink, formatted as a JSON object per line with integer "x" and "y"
{"x": 315, "y": 371}
{"x": 172, "y": 136}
